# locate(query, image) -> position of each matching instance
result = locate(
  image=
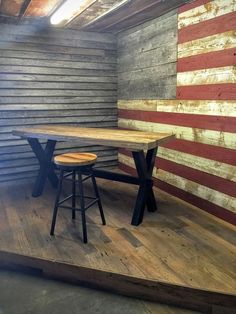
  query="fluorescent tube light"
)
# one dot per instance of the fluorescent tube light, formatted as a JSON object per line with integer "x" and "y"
{"x": 69, "y": 10}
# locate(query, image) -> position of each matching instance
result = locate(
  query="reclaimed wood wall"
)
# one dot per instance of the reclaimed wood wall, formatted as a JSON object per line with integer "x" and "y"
{"x": 200, "y": 165}
{"x": 51, "y": 77}
{"x": 147, "y": 56}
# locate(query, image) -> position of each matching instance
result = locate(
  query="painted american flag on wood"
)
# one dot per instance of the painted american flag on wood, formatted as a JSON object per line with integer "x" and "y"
{"x": 200, "y": 165}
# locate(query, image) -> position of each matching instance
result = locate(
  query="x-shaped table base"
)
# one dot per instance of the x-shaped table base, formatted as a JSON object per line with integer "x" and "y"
{"x": 46, "y": 169}
{"x": 144, "y": 166}
{"x": 145, "y": 197}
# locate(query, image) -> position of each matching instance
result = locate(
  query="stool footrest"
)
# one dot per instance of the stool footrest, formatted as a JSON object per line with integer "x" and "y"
{"x": 67, "y": 175}
{"x": 79, "y": 209}
{"x": 92, "y": 203}
{"x": 77, "y": 196}
{"x": 65, "y": 199}
{"x": 71, "y": 180}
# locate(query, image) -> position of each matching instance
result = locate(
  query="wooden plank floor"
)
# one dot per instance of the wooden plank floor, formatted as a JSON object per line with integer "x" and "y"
{"x": 178, "y": 244}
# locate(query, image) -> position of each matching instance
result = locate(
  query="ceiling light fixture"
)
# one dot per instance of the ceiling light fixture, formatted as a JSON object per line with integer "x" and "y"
{"x": 69, "y": 10}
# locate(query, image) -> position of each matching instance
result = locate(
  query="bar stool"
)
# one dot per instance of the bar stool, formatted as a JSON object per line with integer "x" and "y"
{"x": 80, "y": 164}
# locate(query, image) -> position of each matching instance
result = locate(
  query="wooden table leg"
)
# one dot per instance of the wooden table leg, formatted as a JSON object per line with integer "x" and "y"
{"x": 145, "y": 197}
{"x": 46, "y": 170}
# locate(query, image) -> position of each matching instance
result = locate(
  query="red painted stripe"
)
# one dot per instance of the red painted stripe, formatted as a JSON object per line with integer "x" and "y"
{"x": 217, "y": 123}
{"x": 207, "y": 92}
{"x": 192, "y": 5}
{"x": 214, "y": 182}
{"x": 125, "y": 152}
{"x": 207, "y": 206}
{"x": 221, "y": 154}
{"x": 216, "y": 153}
{"x": 219, "y": 24}
{"x": 209, "y": 60}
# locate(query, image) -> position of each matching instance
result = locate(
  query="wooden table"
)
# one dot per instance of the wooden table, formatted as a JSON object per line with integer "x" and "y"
{"x": 135, "y": 141}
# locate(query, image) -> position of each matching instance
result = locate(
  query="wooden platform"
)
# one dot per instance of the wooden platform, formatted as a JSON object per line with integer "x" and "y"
{"x": 179, "y": 255}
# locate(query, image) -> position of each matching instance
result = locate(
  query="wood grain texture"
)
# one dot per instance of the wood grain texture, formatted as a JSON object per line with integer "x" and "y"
{"x": 147, "y": 60}
{"x": 210, "y": 137}
{"x": 11, "y": 8}
{"x": 96, "y": 15}
{"x": 95, "y": 11}
{"x": 75, "y": 159}
{"x": 222, "y": 58}
{"x": 41, "y": 8}
{"x": 133, "y": 140}
{"x": 207, "y": 44}
{"x": 75, "y": 10}
{"x": 224, "y": 108}
{"x": 190, "y": 181}
{"x": 220, "y": 24}
{"x": 133, "y": 13}
{"x": 204, "y": 204}
{"x": 198, "y": 111}
{"x": 53, "y": 77}
{"x": 62, "y": 34}
{"x": 174, "y": 257}
{"x": 192, "y": 5}
{"x": 215, "y": 175}
{"x": 206, "y": 34}
{"x": 205, "y": 12}
{"x": 221, "y": 75}
{"x": 216, "y": 153}
{"x": 211, "y": 91}
{"x": 216, "y": 168}
{"x": 224, "y": 124}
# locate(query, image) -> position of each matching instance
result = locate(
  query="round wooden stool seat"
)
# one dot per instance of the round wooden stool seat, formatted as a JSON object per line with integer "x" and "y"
{"x": 75, "y": 159}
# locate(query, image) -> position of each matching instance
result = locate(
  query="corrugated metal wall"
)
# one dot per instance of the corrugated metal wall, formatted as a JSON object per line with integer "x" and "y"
{"x": 51, "y": 77}
{"x": 200, "y": 165}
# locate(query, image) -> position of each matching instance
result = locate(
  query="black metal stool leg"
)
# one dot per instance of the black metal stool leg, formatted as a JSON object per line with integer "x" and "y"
{"x": 56, "y": 203}
{"x": 82, "y": 206}
{"x": 84, "y": 227}
{"x": 98, "y": 197}
{"x": 73, "y": 193}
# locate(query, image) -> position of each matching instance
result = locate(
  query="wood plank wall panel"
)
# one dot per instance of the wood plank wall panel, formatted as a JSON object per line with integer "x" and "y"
{"x": 54, "y": 76}
{"x": 38, "y": 8}
{"x": 12, "y": 8}
{"x": 200, "y": 165}
{"x": 147, "y": 57}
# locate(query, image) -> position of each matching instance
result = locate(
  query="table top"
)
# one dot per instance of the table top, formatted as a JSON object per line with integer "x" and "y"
{"x": 129, "y": 139}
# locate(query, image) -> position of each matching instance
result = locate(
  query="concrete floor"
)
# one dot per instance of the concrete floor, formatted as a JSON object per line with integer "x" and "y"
{"x": 26, "y": 294}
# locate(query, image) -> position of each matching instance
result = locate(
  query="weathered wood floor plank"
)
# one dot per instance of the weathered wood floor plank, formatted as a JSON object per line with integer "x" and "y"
{"x": 176, "y": 246}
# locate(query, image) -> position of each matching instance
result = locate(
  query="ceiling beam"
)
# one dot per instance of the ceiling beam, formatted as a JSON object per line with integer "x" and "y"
{"x": 23, "y": 9}
{"x": 96, "y": 11}
{"x": 76, "y": 12}
{"x": 134, "y": 13}
{"x": 128, "y": 9}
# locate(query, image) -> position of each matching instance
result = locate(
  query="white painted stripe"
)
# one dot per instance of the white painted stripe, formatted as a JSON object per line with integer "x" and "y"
{"x": 220, "y": 75}
{"x": 213, "y": 196}
{"x": 222, "y": 139}
{"x": 225, "y": 108}
{"x": 207, "y": 44}
{"x": 212, "y": 167}
{"x": 206, "y": 12}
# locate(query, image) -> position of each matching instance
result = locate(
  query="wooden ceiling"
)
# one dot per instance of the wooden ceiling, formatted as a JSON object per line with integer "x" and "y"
{"x": 96, "y": 15}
